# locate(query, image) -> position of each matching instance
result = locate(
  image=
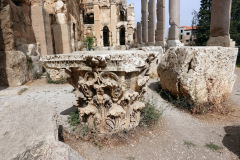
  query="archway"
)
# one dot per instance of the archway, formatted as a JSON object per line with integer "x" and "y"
{"x": 105, "y": 36}
{"x": 122, "y": 35}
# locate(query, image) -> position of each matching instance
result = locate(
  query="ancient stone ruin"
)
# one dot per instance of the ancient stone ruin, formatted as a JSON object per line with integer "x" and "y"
{"x": 108, "y": 85}
{"x": 202, "y": 75}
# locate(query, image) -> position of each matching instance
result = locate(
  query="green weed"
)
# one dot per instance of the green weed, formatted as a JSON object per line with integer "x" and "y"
{"x": 213, "y": 146}
{"x": 189, "y": 144}
{"x": 22, "y": 91}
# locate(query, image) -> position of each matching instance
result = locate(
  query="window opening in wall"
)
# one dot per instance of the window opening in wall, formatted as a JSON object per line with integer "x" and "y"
{"x": 122, "y": 16}
{"x": 88, "y": 18}
{"x": 122, "y": 36}
{"x": 105, "y": 36}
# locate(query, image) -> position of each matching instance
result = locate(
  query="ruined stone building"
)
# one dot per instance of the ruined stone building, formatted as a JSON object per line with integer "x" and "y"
{"x": 110, "y": 22}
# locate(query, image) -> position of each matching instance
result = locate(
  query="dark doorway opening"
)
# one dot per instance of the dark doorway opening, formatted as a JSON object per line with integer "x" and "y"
{"x": 105, "y": 36}
{"x": 122, "y": 36}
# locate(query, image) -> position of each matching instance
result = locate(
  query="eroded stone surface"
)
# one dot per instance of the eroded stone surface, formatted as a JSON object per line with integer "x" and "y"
{"x": 14, "y": 68}
{"x": 108, "y": 85}
{"x": 200, "y": 74}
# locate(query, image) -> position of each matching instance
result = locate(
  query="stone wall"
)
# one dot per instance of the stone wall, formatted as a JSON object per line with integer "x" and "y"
{"x": 17, "y": 35}
{"x": 16, "y": 26}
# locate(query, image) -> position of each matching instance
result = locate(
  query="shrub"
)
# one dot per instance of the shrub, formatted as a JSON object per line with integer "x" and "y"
{"x": 89, "y": 41}
{"x": 150, "y": 115}
{"x": 29, "y": 62}
{"x": 73, "y": 119}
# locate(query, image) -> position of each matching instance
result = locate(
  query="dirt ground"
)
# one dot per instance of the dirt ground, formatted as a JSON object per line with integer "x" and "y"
{"x": 179, "y": 135}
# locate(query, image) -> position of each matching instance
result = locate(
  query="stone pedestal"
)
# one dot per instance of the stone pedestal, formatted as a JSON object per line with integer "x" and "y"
{"x": 144, "y": 21}
{"x": 151, "y": 22}
{"x": 108, "y": 85}
{"x": 174, "y": 21}
{"x": 220, "y": 24}
{"x": 224, "y": 41}
{"x": 203, "y": 75}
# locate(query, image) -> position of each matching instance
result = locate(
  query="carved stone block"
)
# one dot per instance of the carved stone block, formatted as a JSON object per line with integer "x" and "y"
{"x": 108, "y": 85}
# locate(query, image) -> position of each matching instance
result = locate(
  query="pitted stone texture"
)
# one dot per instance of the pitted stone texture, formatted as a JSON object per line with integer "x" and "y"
{"x": 29, "y": 129}
{"x": 15, "y": 69}
{"x": 200, "y": 74}
{"x": 153, "y": 66}
{"x": 57, "y": 75}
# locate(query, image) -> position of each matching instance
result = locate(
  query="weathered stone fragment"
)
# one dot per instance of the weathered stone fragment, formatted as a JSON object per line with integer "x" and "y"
{"x": 200, "y": 74}
{"x": 108, "y": 85}
{"x": 14, "y": 69}
{"x": 32, "y": 131}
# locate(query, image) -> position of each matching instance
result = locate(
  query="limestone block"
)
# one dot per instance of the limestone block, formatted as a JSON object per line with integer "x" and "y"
{"x": 153, "y": 66}
{"x": 200, "y": 74}
{"x": 32, "y": 51}
{"x": 57, "y": 75}
{"x": 32, "y": 132}
{"x": 108, "y": 85}
{"x": 61, "y": 18}
{"x": 14, "y": 68}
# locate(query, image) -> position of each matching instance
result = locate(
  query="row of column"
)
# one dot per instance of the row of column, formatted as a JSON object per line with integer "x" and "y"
{"x": 146, "y": 30}
{"x": 219, "y": 32}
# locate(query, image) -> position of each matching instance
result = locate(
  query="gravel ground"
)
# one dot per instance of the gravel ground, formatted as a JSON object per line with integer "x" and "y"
{"x": 165, "y": 141}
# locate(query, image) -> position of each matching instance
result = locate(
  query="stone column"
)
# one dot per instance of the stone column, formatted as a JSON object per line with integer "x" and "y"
{"x": 42, "y": 29}
{"x": 144, "y": 21}
{"x": 160, "y": 37}
{"x": 113, "y": 24}
{"x": 97, "y": 23}
{"x": 151, "y": 23}
{"x": 220, "y": 24}
{"x": 174, "y": 21}
{"x": 139, "y": 32}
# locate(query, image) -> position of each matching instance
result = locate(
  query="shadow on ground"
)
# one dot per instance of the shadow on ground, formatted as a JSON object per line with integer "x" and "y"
{"x": 154, "y": 86}
{"x": 69, "y": 110}
{"x": 3, "y": 87}
{"x": 232, "y": 139}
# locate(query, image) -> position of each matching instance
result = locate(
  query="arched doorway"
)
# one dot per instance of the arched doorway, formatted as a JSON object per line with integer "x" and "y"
{"x": 122, "y": 35}
{"x": 105, "y": 36}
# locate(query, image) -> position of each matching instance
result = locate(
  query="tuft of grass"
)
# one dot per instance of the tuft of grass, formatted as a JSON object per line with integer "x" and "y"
{"x": 150, "y": 115}
{"x": 189, "y": 144}
{"x": 73, "y": 119}
{"x": 61, "y": 81}
{"x": 213, "y": 146}
{"x": 130, "y": 158}
{"x": 22, "y": 91}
